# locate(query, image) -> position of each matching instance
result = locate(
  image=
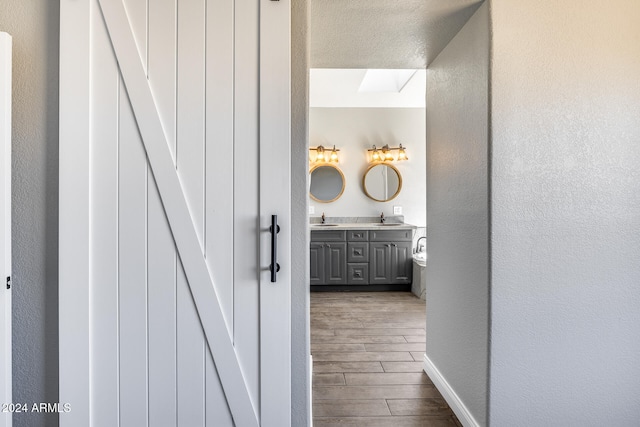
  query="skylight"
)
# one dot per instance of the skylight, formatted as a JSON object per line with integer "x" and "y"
{"x": 341, "y": 88}
{"x": 385, "y": 80}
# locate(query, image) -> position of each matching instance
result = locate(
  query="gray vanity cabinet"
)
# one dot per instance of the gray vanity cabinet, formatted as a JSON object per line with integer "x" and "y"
{"x": 328, "y": 258}
{"x": 390, "y": 260}
{"x": 361, "y": 257}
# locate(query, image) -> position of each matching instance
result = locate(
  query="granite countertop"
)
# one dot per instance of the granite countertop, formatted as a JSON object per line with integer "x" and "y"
{"x": 362, "y": 226}
{"x": 392, "y": 222}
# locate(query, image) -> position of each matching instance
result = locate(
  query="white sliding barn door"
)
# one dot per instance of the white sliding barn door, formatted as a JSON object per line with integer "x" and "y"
{"x": 5, "y": 229}
{"x": 174, "y": 155}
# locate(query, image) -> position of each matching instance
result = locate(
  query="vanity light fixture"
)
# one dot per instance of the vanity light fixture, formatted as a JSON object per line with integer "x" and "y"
{"x": 376, "y": 154}
{"x": 324, "y": 155}
{"x": 333, "y": 157}
{"x": 402, "y": 155}
{"x": 384, "y": 154}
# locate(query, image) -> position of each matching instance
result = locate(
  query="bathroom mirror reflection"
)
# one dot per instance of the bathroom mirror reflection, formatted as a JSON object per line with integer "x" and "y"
{"x": 326, "y": 183}
{"x": 382, "y": 182}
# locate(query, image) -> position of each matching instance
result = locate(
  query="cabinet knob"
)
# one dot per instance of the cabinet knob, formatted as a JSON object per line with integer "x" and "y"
{"x": 328, "y": 246}
{"x": 357, "y": 274}
{"x": 357, "y": 252}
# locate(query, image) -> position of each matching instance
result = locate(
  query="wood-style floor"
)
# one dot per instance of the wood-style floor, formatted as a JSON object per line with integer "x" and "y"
{"x": 367, "y": 352}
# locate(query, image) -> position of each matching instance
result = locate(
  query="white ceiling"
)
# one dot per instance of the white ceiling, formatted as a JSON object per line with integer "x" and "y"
{"x": 384, "y": 33}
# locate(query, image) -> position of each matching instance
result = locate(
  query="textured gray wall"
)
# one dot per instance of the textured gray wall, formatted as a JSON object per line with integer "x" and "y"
{"x": 384, "y": 33}
{"x": 34, "y": 25}
{"x": 300, "y": 388}
{"x": 566, "y": 213}
{"x": 458, "y": 213}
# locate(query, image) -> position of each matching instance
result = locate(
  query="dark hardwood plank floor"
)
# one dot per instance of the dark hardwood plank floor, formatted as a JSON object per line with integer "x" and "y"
{"x": 367, "y": 352}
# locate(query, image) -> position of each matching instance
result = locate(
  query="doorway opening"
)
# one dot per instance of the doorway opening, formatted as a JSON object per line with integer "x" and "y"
{"x": 372, "y": 40}
{"x": 367, "y": 327}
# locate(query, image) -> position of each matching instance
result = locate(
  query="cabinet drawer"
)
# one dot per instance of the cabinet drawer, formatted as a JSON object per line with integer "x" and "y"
{"x": 358, "y": 252}
{"x": 328, "y": 235}
{"x": 358, "y": 273}
{"x": 357, "y": 236}
{"x": 390, "y": 235}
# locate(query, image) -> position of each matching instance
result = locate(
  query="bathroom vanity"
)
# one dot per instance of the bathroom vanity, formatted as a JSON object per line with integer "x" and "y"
{"x": 361, "y": 256}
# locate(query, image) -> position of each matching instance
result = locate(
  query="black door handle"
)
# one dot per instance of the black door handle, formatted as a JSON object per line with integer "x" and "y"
{"x": 274, "y": 230}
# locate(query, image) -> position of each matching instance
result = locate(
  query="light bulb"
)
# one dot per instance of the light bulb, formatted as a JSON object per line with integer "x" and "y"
{"x": 375, "y": 156}
{"x": 320, "y": 156}
{"x": 334, "y": 155}
{"x": 402, "y": 155}
{"x": 387, "y": 155}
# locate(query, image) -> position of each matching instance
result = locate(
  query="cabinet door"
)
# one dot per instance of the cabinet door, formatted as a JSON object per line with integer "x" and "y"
{"x": 380, "y": 263}
{"x": 316, "y": 264}
{"x": 335, "y": 262}
{"x": 401, "y": 263}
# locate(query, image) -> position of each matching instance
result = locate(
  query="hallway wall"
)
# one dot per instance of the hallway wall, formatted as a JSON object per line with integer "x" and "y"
{"x": 34, "y": 26}
{"x": 458, "y": 213}
{"x": 565, "y": 213}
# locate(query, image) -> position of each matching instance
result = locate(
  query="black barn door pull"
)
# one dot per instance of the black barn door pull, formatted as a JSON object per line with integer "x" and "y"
{"x": 274, "y": 229}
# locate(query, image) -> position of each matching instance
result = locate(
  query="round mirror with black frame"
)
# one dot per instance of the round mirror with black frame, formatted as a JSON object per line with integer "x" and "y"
{"x": 326, "y": 183}
{"x": 382, "y": 182}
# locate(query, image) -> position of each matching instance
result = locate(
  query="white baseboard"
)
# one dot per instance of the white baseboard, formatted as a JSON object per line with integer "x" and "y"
{"x": 310, "y": 420}
{"x": 455, "y": 403}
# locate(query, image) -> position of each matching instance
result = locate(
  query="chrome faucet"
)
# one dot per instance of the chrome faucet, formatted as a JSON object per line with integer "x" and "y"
{"x": 418, "y": 247}
{"x": 323, "y": 219}
{"x": 382, "y": 218}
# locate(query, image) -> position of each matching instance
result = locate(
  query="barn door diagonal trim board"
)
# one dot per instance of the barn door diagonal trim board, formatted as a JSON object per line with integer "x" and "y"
{"x": 177, "y": 211}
